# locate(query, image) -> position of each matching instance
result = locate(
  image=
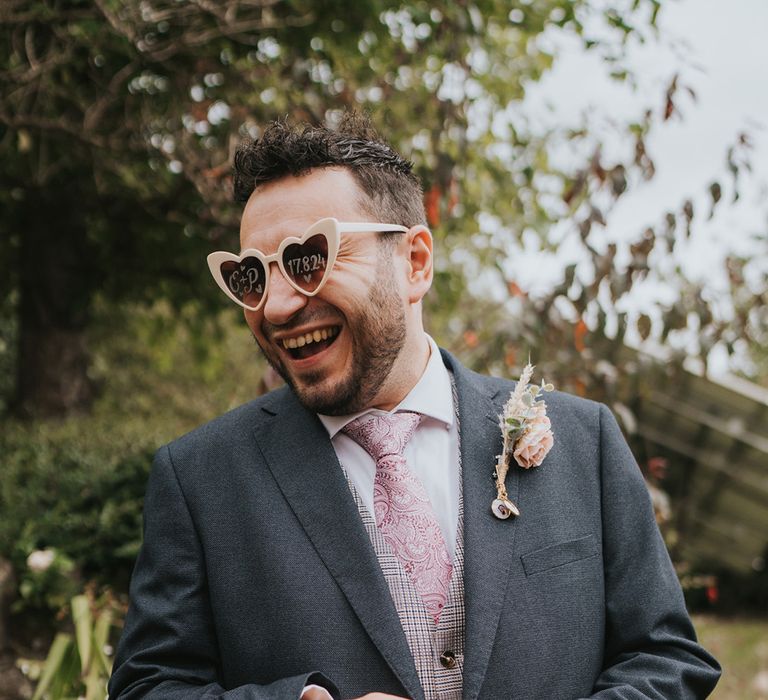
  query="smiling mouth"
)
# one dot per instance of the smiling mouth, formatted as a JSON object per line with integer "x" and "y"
{"x": 308, "y": 344}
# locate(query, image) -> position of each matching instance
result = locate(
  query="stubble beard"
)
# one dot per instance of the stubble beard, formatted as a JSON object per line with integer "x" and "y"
{"x": 378, "y": 332}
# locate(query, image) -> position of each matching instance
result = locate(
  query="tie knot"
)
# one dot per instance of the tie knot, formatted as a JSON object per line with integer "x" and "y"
{"x": 382, "y": 435}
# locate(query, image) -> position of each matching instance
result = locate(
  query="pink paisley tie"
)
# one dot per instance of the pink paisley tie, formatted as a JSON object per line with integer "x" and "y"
{"x": 401, "y": 506}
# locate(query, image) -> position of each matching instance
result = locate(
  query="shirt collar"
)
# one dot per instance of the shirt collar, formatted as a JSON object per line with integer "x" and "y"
{"x": 432, "y": 396}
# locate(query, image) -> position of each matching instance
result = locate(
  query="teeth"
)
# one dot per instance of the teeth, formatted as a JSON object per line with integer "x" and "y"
{"x": 313, "y": 337}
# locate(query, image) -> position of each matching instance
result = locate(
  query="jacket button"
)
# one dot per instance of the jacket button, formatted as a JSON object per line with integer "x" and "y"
{"x": 448, "y": 659}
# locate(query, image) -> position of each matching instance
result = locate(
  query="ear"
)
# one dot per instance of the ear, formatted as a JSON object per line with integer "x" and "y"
{"x": 419, "y": 257}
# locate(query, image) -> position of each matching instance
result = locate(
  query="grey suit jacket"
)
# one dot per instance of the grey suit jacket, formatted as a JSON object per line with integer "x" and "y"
{"x": 257, "y": 576}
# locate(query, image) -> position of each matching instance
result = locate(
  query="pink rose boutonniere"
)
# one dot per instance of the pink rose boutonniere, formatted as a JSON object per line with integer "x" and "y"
{"x": 527, "y": 435}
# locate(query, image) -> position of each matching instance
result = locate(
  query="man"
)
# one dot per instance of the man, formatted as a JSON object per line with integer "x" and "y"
{"x": 281, "y": 561}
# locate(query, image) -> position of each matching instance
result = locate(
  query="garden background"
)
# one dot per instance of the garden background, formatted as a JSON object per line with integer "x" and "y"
{"x": 118, "y": 120}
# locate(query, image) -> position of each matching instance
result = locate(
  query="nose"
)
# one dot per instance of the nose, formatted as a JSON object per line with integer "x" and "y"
{"x": 283, "y": 301}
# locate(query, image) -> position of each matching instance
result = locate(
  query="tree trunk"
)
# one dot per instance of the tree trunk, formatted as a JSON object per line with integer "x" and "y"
{"x": 57, "y": 281}
{"x": 53, "y": 372}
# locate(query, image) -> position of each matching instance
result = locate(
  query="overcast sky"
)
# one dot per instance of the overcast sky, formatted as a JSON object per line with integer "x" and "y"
{"x": 728, "y": 68}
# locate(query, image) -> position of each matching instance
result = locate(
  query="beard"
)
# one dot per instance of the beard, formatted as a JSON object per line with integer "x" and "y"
{"x": 378, "y": 330}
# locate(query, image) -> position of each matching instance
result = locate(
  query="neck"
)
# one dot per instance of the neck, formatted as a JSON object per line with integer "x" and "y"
{"x": 405, "y": 374}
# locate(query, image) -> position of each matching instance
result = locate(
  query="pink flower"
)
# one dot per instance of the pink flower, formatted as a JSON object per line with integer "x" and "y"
{"x": 533, "y": 445}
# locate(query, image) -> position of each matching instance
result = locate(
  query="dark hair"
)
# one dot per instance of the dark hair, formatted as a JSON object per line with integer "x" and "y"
{"x": 393, "y": 192}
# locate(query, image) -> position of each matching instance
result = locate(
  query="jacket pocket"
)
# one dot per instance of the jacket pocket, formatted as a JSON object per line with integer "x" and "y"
{"x": 559, "y": 554}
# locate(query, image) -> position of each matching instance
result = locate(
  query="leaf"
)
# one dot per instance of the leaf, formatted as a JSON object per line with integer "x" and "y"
{"x": 568, "y": 276}
{"x": 432, "y": 205}
{"x": 81, "y": 616}
{"x": 618, "y": 180}
{"x": 688, "y": 213}
{"x": 53, "y": 663}
{"x": 579, "y": 334}
{"x": 716, "y": 192}
{"x": 95, "y": 684}
{"x": 101, "y": 638}
{"x": 644, "y": 326}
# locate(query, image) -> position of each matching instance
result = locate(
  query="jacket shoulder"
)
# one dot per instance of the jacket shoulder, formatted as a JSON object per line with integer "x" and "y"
{"x": 560, "y": 401}
{"x": 230, "y": 427}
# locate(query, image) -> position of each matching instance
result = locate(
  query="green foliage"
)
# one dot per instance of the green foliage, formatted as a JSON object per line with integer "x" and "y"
{"x": 78, "y": 665}
{"x": 78, "y": 485}
{"x": 133, "y": 108}
{"x": 748, "y": 278}
{"x": 117, "y": 123}
{"x": 155, "y": 94}
{"x": 49, "y": 580}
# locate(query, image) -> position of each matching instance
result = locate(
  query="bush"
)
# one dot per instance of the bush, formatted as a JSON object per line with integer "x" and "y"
{"x": 77, "y": 485}
{"x": 78, "y": 663}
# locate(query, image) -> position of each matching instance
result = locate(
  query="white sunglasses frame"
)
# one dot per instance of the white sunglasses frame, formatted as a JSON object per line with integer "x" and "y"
{"x": 331, "y": 228}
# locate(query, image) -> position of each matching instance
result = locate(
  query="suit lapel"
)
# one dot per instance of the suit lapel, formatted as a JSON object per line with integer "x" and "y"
{"x": 488, "y": 541}
{"x": 303, "y": 462}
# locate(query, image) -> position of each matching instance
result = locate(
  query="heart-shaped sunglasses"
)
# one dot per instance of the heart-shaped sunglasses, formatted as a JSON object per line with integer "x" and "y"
{"x": 305, "y": 262}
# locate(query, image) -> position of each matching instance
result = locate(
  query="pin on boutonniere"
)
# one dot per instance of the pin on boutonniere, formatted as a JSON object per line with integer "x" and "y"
{"x": 527, "y": 435}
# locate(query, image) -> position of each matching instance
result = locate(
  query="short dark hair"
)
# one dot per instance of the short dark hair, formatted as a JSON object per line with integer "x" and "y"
{"x": 393, "y": 192}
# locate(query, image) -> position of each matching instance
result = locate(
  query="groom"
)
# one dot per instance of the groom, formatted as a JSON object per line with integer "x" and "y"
{"x": 335, "y": 537}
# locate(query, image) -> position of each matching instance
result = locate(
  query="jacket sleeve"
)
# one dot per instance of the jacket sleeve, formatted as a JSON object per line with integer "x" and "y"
{"x": 651, "y": 649}
{"x": 168, "y": 648}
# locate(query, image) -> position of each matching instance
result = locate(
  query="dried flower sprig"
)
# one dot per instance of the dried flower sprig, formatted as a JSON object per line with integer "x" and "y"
{"x": 526, "y": 433}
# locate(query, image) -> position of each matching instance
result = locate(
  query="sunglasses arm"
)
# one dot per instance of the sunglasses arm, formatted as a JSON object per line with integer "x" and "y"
{"x": 350, "y": 227}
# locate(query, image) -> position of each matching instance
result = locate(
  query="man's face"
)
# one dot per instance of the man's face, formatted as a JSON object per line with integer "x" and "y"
{"x": 338, "y": 348}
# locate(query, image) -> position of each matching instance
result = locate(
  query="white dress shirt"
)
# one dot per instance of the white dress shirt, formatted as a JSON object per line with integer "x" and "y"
{"x": 432, "y": 453}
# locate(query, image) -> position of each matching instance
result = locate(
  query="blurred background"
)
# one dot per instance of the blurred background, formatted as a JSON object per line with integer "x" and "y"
{"x": 595, "y": 178}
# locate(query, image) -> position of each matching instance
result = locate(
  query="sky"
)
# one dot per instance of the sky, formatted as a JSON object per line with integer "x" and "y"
{"x": 721, "y": 52}
{"x": 727, "y": 63}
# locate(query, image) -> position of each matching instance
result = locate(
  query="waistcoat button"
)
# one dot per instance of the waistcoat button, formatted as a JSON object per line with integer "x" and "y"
{"x": 448, "y": 659}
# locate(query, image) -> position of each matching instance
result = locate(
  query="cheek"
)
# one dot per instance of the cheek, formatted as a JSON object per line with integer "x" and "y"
{"x": 348, "y": 281}
{"x": 253, "y": 320}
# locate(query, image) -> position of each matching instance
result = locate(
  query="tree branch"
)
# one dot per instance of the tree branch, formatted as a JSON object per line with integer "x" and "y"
{"x": 237, "y": 32}
{"x": 94, "y": 113}
{"x": 59, "y": 125}
{"x": 116, "y": 23}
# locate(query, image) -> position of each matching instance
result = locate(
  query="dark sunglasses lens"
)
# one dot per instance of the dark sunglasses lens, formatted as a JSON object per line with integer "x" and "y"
{"x": 245, "y": 279}
{"x": 306, "y": 263}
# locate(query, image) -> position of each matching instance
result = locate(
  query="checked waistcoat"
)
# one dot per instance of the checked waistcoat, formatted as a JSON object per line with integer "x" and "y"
{"x": 427, "y": 641}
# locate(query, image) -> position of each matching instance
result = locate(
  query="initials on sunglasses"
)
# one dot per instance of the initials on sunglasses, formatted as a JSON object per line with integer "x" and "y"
{"x": 305, "y": 262}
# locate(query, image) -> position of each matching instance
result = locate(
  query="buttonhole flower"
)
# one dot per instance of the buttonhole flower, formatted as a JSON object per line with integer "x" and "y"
{"x": 526, "y": 432}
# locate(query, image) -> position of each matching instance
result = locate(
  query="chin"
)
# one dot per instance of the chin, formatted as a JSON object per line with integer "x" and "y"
{"x": 338, "y": 397}
{"x": 330, "y": 401}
